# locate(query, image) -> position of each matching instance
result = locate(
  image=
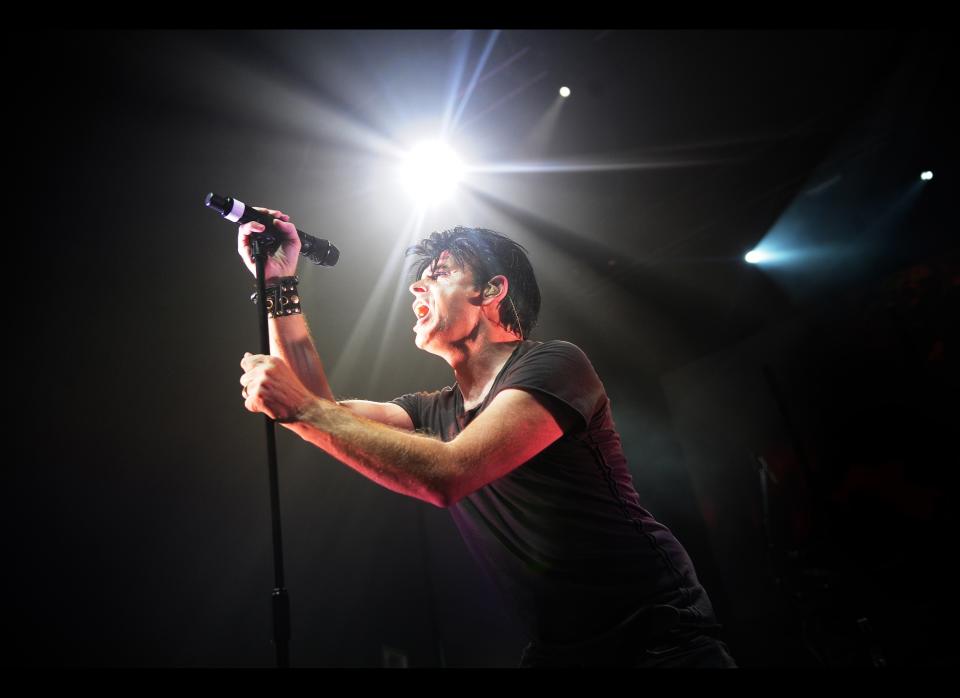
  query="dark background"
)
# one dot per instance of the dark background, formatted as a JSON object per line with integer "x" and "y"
{"x": 137, "y": 519}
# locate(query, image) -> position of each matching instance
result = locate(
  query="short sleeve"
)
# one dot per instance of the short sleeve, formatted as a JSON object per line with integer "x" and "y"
{"x": 562, "y": 371}
{"x": 412, "y": 403}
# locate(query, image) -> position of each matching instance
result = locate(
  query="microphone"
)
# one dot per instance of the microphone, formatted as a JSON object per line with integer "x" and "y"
{"x": 318, "y": 251}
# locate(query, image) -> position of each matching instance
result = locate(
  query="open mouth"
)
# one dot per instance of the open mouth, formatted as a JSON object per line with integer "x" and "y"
{"x": 421, "y": 310}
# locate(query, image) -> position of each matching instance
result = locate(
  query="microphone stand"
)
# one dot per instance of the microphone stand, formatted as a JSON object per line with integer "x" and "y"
{"x": 261, "y": 248}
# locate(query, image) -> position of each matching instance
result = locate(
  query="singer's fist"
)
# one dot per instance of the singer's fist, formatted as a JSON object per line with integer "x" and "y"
{"x": 271, "y": 387}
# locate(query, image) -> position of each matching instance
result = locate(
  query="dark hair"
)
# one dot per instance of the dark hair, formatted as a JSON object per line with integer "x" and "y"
{"x": 487, "y": 254}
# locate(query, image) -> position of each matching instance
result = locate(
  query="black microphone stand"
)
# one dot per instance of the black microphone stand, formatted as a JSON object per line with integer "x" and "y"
{"x": 261, "y": 247}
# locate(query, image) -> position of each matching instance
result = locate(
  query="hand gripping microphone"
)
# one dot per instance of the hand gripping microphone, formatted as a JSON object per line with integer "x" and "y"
{"x": 318, "y": 251}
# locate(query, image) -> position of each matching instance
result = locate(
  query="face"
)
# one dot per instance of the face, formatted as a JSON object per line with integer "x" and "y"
{"x": 447, "y": 305}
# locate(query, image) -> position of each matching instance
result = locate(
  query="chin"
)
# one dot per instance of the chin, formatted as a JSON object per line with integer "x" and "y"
{"x": 421, "y": 341}
{"x": 424, "y": 344}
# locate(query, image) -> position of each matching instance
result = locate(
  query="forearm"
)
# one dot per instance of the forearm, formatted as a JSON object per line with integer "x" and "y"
{"x": 405, "y": 462}
{"x": 290, "y": 340}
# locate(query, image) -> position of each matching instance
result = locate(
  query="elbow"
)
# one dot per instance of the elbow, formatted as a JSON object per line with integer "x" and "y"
{"x": 454, "y": 476}
{"x": 432, "y": 490}
{"x": 448, "y": 492}
{"x": 447, "y": 485}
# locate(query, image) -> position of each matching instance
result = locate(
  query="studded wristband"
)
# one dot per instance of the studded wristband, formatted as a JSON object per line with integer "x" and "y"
{"x": 283, "y": 298}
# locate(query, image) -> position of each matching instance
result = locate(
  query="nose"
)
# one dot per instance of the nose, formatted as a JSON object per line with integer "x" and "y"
{"x": 417, "y": 287}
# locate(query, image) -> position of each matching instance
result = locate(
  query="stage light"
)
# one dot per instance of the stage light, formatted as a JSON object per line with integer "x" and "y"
{"x": 756, "y": 256}
{"x": 431, "y": 171}
{"x": 564, "y": 91}
{"x": 926, "y": 176}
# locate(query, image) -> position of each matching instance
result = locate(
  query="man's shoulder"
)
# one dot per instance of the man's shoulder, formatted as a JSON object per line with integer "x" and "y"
{"x": 558, "y": 348}
{"x": 555, "y": 357}
{"x": 561, "y": 371}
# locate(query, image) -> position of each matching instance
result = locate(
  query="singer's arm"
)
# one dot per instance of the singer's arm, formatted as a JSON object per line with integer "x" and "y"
{"x": 514, "y": 428}
{"x": 290, "y": 337}
{"x": 291, "y": 341}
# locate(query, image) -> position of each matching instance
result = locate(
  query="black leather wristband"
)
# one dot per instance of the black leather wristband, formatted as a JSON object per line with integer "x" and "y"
{"x": 283, "y": 297}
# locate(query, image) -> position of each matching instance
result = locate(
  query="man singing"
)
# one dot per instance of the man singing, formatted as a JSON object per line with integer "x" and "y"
{"x": 522, "y": 449}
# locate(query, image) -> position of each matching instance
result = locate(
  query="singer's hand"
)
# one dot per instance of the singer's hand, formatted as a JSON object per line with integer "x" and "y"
{"x": 283, "y": 262}
{"x": 271, "y": 387}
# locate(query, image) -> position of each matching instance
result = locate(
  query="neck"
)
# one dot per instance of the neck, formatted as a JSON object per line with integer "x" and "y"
{"x": 476, "y": 363}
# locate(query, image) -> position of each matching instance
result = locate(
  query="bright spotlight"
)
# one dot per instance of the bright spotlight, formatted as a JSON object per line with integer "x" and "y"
{"x": 756, "y": 256}
{"x": 564, "y": 91}
{"x": 431, "y": 171}
{"x": 927, "y": 176}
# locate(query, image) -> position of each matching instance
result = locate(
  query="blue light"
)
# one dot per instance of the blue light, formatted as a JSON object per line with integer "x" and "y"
{"x": 756, "y": 256}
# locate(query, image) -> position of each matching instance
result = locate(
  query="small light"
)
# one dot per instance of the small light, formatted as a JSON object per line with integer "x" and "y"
{"x": 755, "y": 256}
{"x": 564, "y": 91}
{"x": 927, "y": 176}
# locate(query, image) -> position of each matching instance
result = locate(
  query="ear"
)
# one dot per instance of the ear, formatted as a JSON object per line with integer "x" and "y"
{"x": 495, "y": 290}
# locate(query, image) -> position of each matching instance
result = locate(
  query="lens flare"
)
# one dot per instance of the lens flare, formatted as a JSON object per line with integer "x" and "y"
{"x": 431, "y": 172}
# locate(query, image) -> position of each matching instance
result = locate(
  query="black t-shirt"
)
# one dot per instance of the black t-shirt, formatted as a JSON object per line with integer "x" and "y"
{"x": 563, "y": 535}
